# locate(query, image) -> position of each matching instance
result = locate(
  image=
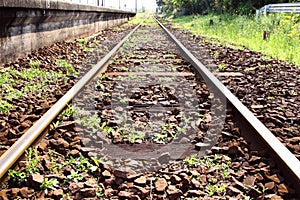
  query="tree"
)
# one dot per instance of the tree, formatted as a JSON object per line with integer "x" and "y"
{"x": 185, "y": 7}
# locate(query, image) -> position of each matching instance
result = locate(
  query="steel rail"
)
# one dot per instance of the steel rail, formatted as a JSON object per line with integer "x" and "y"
{"x": 8, "y": 159}
{"x": 252, "y": 129}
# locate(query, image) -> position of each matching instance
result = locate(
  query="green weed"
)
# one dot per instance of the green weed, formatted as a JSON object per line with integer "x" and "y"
{"x": 17, "y": 176}
{"x": 245, "y": 31}
{"x": 35, "y": 63}
{"x": 5, "y": 106}
{"x": 68, "y": 67}
{"x": 83, "y": 40}
{"x": 192, "y": 161}
{"x": 49, "y": 184}
{"x": 32, "y": 156}
{"x": 74, "y": 176}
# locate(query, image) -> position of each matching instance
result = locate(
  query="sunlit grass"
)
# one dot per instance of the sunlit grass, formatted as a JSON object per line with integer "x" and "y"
{"x": 138, "y": 19}
{"x": 284, "y": 41}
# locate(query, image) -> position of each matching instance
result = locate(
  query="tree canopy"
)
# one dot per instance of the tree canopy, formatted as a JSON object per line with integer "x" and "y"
{"x": 219, "y": 6}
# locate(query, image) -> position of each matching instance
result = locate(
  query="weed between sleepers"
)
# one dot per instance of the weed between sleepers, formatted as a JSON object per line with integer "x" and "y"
{"x": 11, "y": 79}
{"x": 221, "y": 171}
{"x": 58, "y": 161}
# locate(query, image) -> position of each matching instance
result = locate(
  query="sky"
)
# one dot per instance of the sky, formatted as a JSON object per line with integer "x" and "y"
{"x": 130, "y": 4}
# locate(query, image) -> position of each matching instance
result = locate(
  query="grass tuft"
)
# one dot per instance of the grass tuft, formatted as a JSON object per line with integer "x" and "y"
{"x": 283, "y": 42}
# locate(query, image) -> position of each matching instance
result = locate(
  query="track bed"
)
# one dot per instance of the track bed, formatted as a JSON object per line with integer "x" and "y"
{"x": 149, "y": 127}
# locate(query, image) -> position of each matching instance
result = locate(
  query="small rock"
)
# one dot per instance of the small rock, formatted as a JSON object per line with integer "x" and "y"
{"x": 109, "y": 181}
{"x": 3, "y": 194}
{"x": 270, "y": 185}
{"x": 135, "y": 197}
{"x": 67, "y": 169}
{"x": 42, "y": 146}
{"x": 257, "y": 106}
{"x": 254, "y": 193}
{"x": 249, "y": 181}
{"x": 40, "y": 195}
{"x": 58, "y": 194}
{"x": 173, "y": 192}
{"x": 141, "y": 191}
{"x": 184, "y": 140}
{"x": 235, "y": 151}
{"x": 167, "y": 177}
{"x": 261, "y": 165}
{"x": 196, "y": 183}
{"x": 88, "y": 192}
{"x": 232, "y": 191}
{"x": 161, "y": 184}
{"x": 141, "y": 181}
{"x": 195, "y": 173}
{"x": 75, "y": 187}
{"x": 195, "y": 193}
{"x": 203, "y": 179}
{"x": 106, "y": 174}
{"x": 200, "y": 145}
{"x": 109, "y": 192}
{"x": 239, "y": 184}
{"x": 26, "y": 192}
{"x": 186, "y": 181}
{"x": 289, "y": 114}
{"x": 14, "y": 192}
{"x": 119, "y": 181}
{"x": 125, "y": 174}
{"x": 67, "y": 125}
{"x": 276, "y": 178}
{"x": 175, "y": 179}
{"x": 45, "y": 159}
{"x": 59, "y": 143}
{"x": 86, "y": 141}
{"x": 254, "y": 159}
{"x": 259, "y": 177}
{"x": 125, "y": 194}
{"x": 283, "y": 190}
{"x": 123, "y": 186}
{"x": 73, "y": 152}
{"x": 36, "y": 179}
{"x": 164, "y": 158}
{"x": 273, "y": 197}
{"x": 91, "y": 183}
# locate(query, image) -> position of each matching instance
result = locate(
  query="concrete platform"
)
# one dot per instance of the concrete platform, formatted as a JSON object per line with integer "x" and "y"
{"x": 26, "y": 25}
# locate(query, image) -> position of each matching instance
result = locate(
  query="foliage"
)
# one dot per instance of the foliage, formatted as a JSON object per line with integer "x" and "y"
{"x": 35, "y": 63}
{"x": 17, "y": 176}
{"x": 31, "y": 167}
{"x": 67, "y": 66}
{"x": 49, "y": 184}
{"x": 247, "y": 32}
{"x": 32, "y": 80}
{"x": 5, "y": 106}
{"x": 185, "y": 7}
{"x": 32, "y": 156}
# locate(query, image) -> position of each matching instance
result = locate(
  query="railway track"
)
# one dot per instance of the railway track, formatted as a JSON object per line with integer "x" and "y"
{"x": 163, "y": 126}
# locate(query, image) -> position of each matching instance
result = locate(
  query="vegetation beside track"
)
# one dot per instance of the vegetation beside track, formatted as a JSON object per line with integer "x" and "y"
{"x": 245, "y": 31}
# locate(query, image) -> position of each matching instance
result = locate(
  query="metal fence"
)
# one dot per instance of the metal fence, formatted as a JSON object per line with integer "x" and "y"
{"x": 282, "y": 7}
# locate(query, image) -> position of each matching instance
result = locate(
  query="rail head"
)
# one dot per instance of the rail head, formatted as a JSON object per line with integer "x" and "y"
{"x": 8, "y": 159}
{"x": 286, "y": 161}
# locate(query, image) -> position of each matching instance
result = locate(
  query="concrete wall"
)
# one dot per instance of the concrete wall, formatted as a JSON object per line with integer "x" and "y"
{"x": 26, "y": 25}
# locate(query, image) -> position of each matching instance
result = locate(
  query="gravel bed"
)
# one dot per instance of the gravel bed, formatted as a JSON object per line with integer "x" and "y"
{"x": 31, "y": 85}
{"x": 269, "y": 87}
{"x": 72, "y": 163}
